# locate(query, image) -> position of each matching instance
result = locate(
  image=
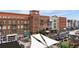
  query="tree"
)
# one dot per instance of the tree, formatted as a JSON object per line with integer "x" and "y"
{"x": 42, "y": 32}
{"x": 64, "y": 44}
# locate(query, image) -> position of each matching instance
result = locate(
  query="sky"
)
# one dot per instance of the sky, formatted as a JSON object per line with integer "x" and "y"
{"x": 70, "y": 14}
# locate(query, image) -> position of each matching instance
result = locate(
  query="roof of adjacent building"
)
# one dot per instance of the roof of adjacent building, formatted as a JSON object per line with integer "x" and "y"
{"x": 13, "y": 13}
{"x": 14, "y": 44}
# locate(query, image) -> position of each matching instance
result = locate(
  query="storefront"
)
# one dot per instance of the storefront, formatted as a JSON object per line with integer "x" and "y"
{"x": 11, "y": 37}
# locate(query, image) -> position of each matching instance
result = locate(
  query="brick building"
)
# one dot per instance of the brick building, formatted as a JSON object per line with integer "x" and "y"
{"x": 19, "y": 23}
{"x": 62, "y": 22}
{"x": 38, "y": 22}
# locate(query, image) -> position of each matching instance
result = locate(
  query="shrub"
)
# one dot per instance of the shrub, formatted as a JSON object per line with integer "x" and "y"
{"x": 64, "y": 44}
{"x": 42, "y": 32}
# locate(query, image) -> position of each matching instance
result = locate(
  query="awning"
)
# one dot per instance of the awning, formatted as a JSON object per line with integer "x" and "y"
{"x": 41, "y": 41}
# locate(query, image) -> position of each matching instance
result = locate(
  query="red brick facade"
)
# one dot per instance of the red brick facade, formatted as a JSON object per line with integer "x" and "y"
{"x": 38, "y": 22}
{"x": 62, "y": 22}
{"x": 19, "y": 23}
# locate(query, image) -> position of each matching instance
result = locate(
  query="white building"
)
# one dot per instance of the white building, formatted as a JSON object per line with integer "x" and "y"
{"x": 8, "y": 38}
{"x": 11, "y": 37}
{"x": 72, "y": 24}
{"x": 53, "y": 23}
{"x": 77, "y": 24}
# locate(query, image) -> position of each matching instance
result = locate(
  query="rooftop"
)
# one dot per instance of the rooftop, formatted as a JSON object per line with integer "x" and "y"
{"x": 10, "y": 45}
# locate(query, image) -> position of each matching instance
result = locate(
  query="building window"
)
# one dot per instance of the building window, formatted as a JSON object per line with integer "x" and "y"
{"x": 4, "y": 38}
{"x": 0, "y": 27}
{"x": 28, "y": 22}
{"x": 22, "y": 22}
{"x": 54, "y": 26}
{"x": 0, "y": 22}
{"x": 54, "y": 23}
{"x": 41, "y": 22}
{"x": 11, "y": 38}
{"x": 4, "y": 32}
{"x": 18, "y": 22}
{"x": 4, "y": 27}
{"x": 13, "y": 22}
{"x": 9, "y": 21}
{"x": 9, "y": 32}
{"x": 4, "y": 17}
{"x": 13, "y": 26}
{"x": 25, "y": 22}
{"x": 9, "y": 17}
{"x": 14, "y": 31}
{"x": 50, "y": 23}
{"x": 0, "y": 17}
{"x": 9, "y": 27}
{"x": 4, "y": 21}
{"x": 21, "y": 26}
{"x": 54, "y": 20}
{"x": 18, "y": 26}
